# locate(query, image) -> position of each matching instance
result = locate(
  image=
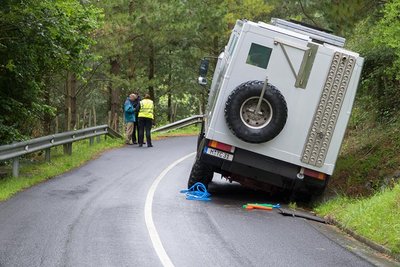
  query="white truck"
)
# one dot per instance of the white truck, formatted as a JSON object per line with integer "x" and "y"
{"x": 278, "y": 107}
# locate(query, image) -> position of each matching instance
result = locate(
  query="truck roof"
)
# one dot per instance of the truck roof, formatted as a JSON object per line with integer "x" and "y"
{"x": 283, "y": 30}
{"x": 317, "y": 35}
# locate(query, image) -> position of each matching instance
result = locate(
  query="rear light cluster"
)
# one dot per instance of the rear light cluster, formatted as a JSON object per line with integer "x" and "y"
{"x": 221, "y": 146}
{"x": 314, "y": 174}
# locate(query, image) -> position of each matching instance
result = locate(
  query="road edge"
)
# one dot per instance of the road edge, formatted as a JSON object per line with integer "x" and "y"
{"x": 364, "y": 240}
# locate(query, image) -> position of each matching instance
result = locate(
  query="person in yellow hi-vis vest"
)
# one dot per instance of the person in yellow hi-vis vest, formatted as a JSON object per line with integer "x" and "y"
{"x": 146, "y": 117}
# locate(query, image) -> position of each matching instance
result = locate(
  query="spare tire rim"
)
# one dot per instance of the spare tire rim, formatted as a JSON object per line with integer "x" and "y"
{"x": 252, "y": 119}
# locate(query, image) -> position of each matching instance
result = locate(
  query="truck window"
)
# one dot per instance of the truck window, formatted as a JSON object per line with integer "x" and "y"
{"x": 259, "y": 55}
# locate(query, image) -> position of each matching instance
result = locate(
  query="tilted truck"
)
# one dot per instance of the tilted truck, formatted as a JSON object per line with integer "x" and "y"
{"x": 278, "y": 107}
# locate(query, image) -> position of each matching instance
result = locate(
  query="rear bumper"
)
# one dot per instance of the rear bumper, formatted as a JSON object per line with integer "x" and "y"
{"x": 259, "y": 168}
{"x": 254, "y": 166}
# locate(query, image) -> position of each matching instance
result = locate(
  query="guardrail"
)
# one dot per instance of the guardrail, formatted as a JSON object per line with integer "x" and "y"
{"x": 180, "y": 124}
{"x": 15, "y": 150}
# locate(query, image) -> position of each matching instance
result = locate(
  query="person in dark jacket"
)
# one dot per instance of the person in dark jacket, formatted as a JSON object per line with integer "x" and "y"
{"x": 130, "y": 118}
{"x": 136, "y": 106}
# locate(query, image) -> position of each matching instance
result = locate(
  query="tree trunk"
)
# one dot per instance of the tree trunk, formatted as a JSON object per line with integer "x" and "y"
{"x": 169, "y": 93}
{"x": 169, "y": 106}
{"x": 115, "y": 106}
{"x": 47, "y": 118}
{"x": 70, "y": 101}
{"x": 151, "y": 72}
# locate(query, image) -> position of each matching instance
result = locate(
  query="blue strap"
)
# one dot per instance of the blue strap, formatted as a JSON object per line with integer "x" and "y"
{"x": 198, "y": 191}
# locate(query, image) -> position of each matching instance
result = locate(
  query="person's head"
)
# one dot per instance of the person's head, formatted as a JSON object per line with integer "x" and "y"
{"x": 132, "y": 97}
{"x": 146, "y": 96}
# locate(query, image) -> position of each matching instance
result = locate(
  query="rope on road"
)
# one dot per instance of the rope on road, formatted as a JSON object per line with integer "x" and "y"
{"x": 198, "y": 191}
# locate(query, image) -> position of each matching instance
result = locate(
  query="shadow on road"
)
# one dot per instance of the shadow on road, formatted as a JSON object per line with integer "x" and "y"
{"x": 225, "y": 193}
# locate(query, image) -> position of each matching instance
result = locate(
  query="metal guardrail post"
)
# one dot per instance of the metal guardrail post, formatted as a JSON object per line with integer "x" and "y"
{"x": 47, "y": 154}
{"x": 68, "y": 149}
{"x": 91, "y": 141}
{"x": 15, "y": 169}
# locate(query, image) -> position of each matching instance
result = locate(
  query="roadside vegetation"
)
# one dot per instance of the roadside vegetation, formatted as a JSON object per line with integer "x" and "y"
{"x": 375, "y": 218}
{"x": 185, "y": 131}
{"x": 364, "y": 190}
{"x": 369, "y": 159}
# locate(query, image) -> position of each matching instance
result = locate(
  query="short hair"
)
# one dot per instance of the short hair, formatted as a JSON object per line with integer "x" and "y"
{"x": 147, "y": 96}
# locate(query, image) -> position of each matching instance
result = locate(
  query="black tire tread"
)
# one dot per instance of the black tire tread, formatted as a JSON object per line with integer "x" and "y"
{"x": 200, "y": 173}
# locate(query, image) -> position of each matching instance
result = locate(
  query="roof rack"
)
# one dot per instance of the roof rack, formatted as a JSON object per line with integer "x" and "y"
{"x": 317, "y": 35}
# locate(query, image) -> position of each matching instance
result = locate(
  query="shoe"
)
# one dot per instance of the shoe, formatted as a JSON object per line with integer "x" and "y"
{"x": 140, "y": 145}
{"x": 150, "y": 145}
{"x": 134, "y": 143}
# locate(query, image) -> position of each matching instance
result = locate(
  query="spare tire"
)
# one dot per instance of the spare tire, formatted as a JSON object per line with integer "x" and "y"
{"x": 242, "y": 119}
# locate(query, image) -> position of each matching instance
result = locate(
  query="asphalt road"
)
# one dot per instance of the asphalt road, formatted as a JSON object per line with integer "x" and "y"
{"x": 99, "y": 215}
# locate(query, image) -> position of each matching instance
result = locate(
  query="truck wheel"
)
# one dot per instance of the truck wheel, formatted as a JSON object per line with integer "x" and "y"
{"x": 201, "y": 135}
{"x": 200, "y": 173}
{"x": 245, "y": 123}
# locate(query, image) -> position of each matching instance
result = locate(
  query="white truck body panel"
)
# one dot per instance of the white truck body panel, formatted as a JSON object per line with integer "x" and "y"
{"x": 302, "y": 103}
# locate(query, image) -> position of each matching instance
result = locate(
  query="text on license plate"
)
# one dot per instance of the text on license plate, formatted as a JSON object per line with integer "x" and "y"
{"x": 219, "y": 154}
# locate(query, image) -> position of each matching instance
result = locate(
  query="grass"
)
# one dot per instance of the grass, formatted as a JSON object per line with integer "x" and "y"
{"x": 292, "y": 205}
{"x": 35, "y": 170}
{"x": 375, "y": 217}
{"x": 368, "y": 159}
{"x": 186, "y": 131}
{"x": 366, "y": 180}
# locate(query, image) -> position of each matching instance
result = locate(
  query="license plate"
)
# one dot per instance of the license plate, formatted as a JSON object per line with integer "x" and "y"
{"x": 219, "y": 154}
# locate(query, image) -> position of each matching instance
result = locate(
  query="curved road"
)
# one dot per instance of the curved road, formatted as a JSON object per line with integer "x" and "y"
{"x": 95, "y": 216}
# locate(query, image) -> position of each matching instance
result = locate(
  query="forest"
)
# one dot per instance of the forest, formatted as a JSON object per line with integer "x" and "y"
{"x": 68, "y": 64}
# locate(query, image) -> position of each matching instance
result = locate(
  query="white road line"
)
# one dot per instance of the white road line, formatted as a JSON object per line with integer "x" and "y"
{"x": 148, "y": 214}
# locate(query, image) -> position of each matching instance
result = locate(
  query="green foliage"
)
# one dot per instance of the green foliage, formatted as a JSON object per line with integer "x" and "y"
{"x": 369, "y": 155}
{"x": 255, "y": 10}
{"x": 375, "y": 218}
{"x": 38, "y": 40}
{"x": 374, "y": 40}
{"x": 388, "y": 30}
{"x": 292, "y": 205}
{"x": 159, "y": 45}
{"x": 185, "y": 131}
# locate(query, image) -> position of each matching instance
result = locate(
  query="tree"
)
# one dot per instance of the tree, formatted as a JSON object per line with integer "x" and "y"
{"x": 375, "y": 38}
{"x": 38, "y": 40}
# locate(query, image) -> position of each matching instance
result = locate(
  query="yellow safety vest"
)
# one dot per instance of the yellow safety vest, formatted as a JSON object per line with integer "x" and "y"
{"x": 146, "y": 109}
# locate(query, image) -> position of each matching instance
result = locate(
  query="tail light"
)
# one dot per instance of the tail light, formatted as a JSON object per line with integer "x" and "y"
{"x": 315, "y": 174}
{"x": 221, "y": 146}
